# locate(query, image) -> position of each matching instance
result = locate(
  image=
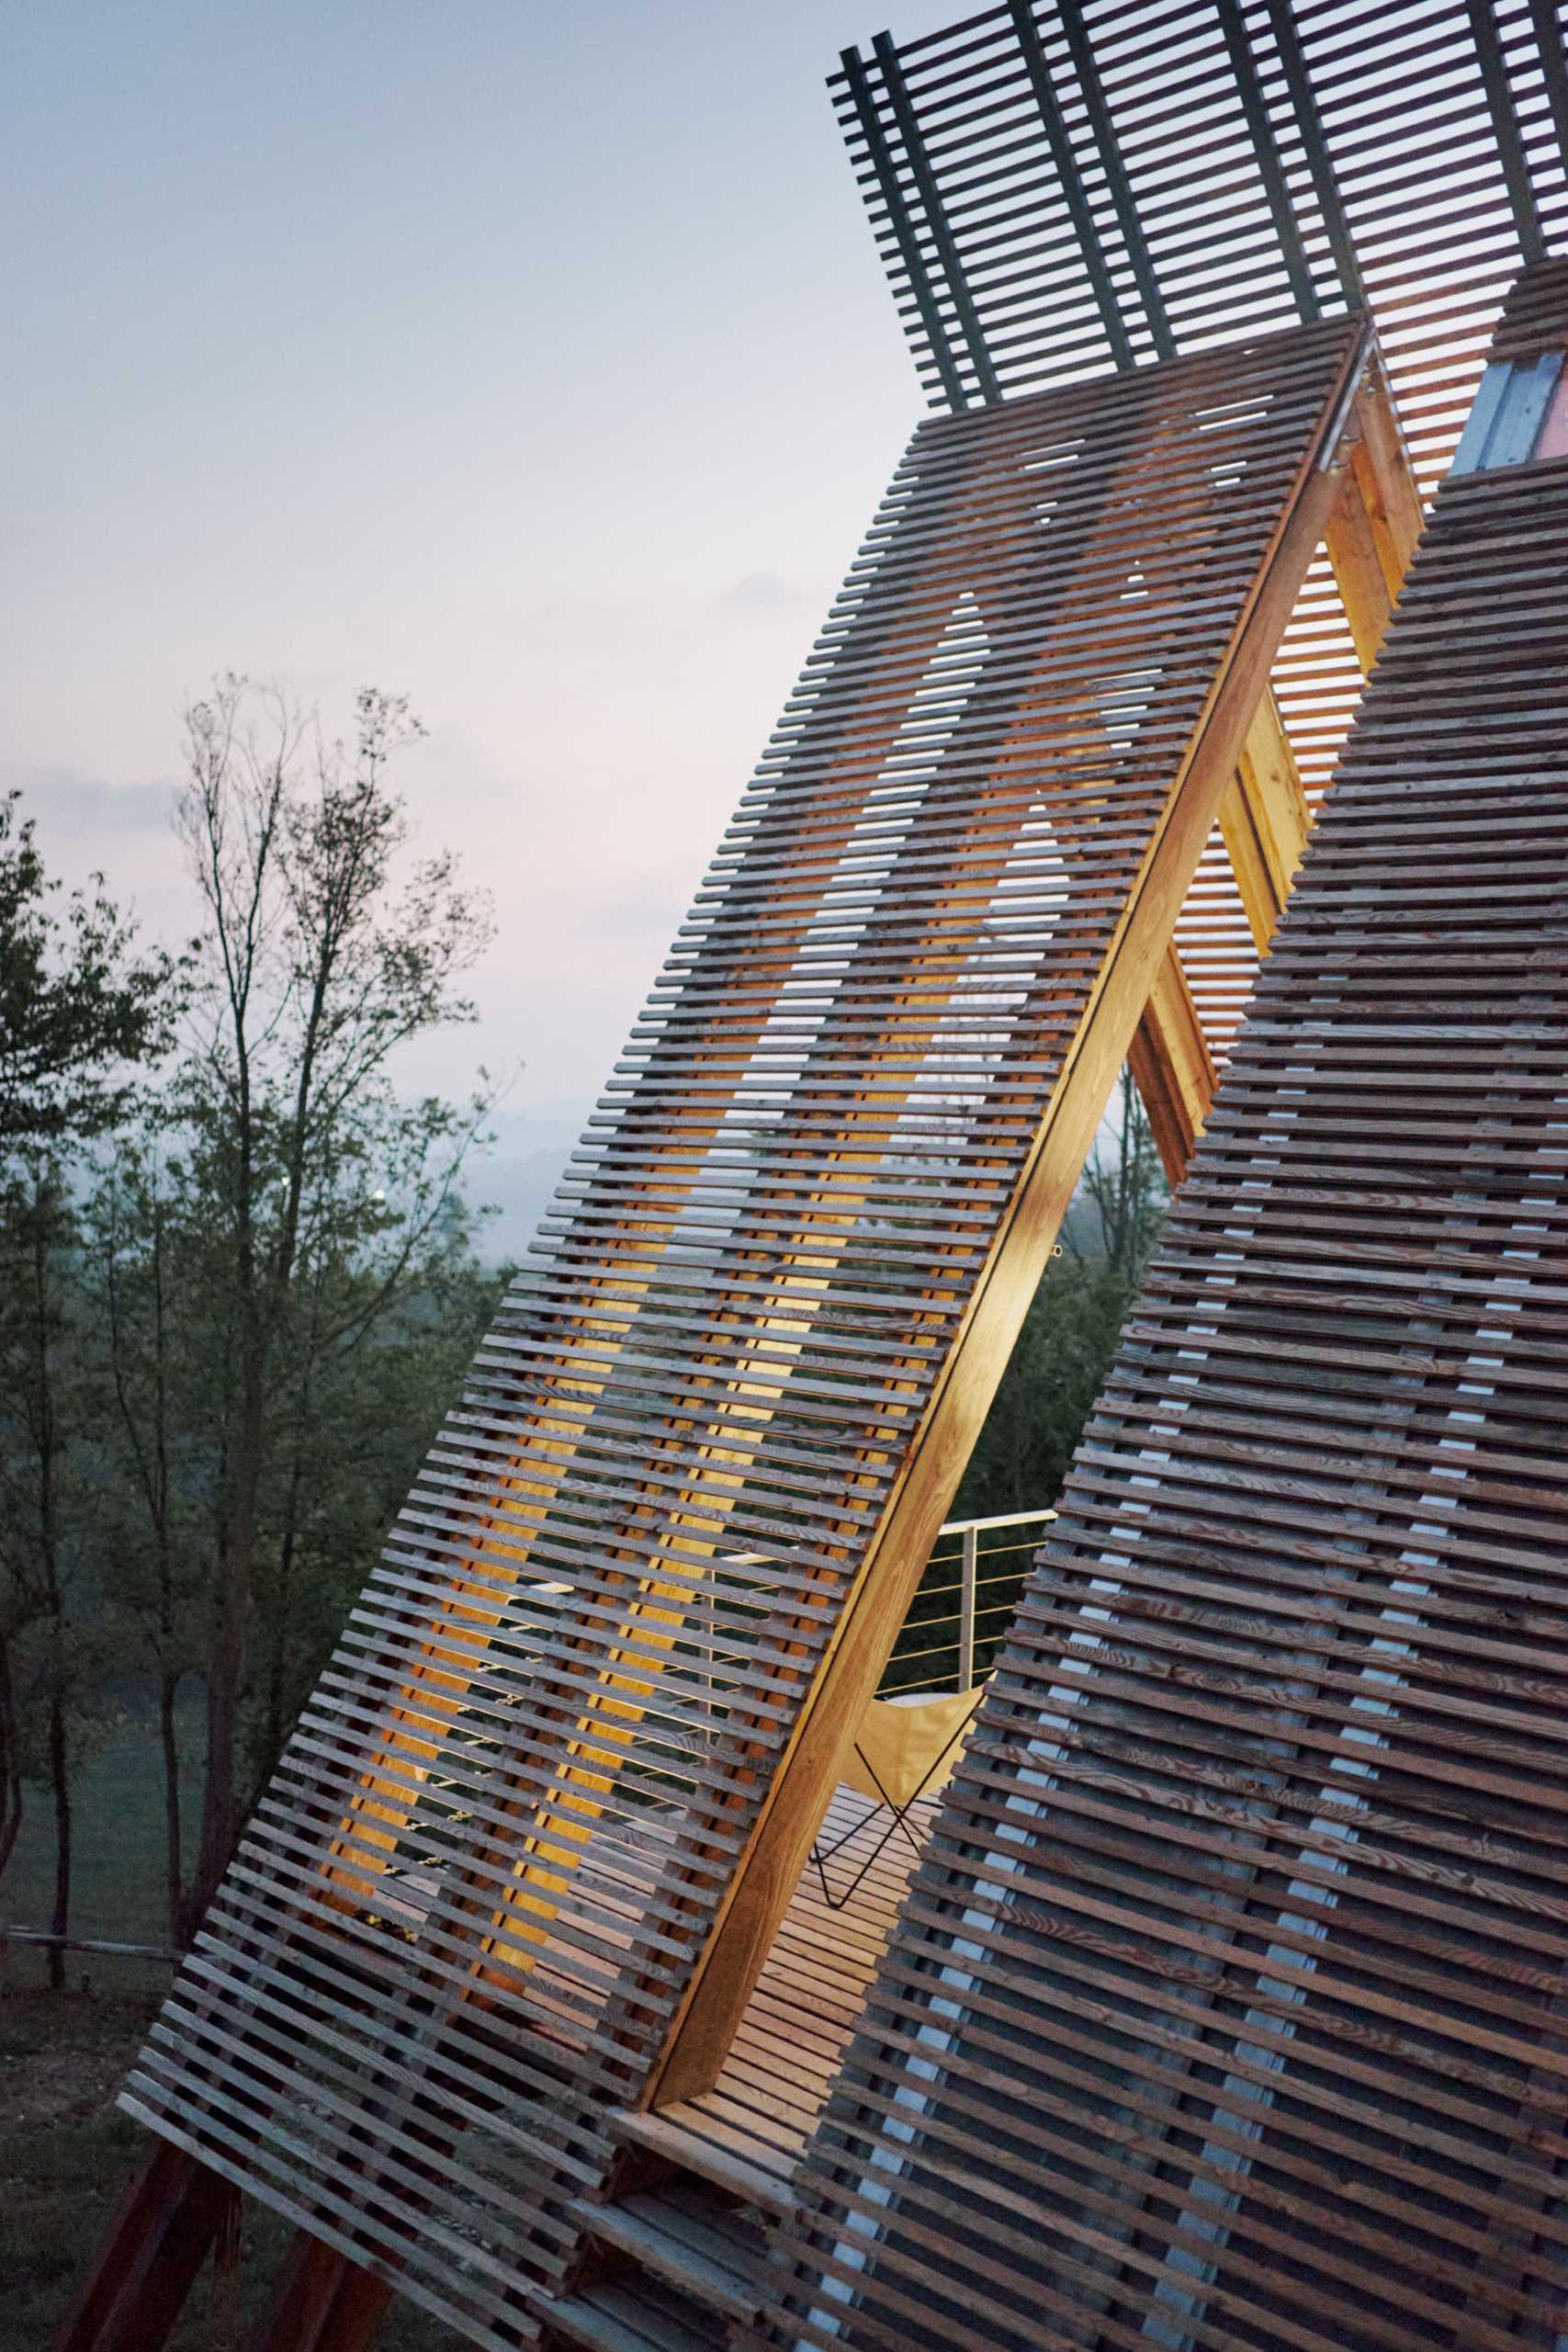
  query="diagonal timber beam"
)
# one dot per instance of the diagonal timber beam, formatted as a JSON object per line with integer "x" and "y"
{"x": 659, "y": 1612}
{"x": 659, "y": 1615}
{"x": 1264, "y": 818}
{"x": 726, "y": 1970}
{"x": 1172, "y": 1068}
{"x": 322, "y": 2302}
{"x": 1375, "y": 523}
{"x": 172, "y": 2215}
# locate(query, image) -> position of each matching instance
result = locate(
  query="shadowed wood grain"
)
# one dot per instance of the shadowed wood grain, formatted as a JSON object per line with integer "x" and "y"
{"x": 1226, "y": 2006}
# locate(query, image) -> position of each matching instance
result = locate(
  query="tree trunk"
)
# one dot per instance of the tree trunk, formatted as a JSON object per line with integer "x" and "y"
{"x": 278, "y": 1664}
{"x": 60, "y": 1784}
{"x": 48, "y": 1443}
{"x": 226, "y": 1658}
{"x": 273, "y": 1729}
{"x": 10, "y": 1759}
{"x": 168, "y": 1734}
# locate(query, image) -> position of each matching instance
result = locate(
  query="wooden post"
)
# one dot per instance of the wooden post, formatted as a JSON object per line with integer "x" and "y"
{"x": 1172, "y": 1068}
{"x": 165, "y": 2228}
{"x": 1264, "y": 820}
{"x": 969, "y": 1577}
{"x": 1375, "y": 523}
{"x": 323, "y": 2302}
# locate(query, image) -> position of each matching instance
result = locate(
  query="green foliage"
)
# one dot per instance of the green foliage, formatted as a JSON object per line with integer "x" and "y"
{"x": 228, "y": 1328}
{"x": 53, "y": 1654}
{"x": 1056, "y": 1370}
{"x": 78, "y": 1010}
{"x": 78, "y": 1013}
{"x": 1063, "y": 1351}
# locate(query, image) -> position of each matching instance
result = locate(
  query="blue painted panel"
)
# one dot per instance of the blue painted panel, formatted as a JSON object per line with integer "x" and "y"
{"x": 1525, "y": 403}
{"x": 1470, "y": 456}
{"x": 1510, "y": 409}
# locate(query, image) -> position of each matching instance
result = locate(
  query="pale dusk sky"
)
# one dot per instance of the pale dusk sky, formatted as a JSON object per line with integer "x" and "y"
{"x": 533, "y": 360}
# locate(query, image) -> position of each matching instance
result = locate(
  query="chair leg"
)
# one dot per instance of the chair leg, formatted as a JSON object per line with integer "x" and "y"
{"x": 159, "y": 2238}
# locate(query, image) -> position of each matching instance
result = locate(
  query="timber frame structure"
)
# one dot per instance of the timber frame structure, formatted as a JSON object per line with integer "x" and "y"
{"x": 496, "y": 2002}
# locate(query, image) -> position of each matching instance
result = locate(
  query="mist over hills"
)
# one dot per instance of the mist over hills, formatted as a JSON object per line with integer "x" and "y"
{"x": 520, "y": 1171}
{"x": 533, "y": 1143}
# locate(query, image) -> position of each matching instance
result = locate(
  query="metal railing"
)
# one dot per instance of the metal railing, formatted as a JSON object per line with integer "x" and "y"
{"x": 965, "y": 1602}
{"x": 961, "y": 1614}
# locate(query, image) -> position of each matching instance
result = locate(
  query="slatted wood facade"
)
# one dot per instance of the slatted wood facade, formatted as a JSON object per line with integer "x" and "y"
{"x": 1064, "y": 186}
{"x": 471, "y": 1903}
{"x": 1225, "y": 2027}
{"x": 1226, "y": 2009}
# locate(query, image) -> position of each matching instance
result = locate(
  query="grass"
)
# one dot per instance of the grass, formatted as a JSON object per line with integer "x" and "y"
{"x": 119, "y": 1871}
{"x": 66, "y": 2149}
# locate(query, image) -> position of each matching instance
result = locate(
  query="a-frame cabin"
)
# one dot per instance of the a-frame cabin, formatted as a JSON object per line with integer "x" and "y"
{"x": 506, "y": 2000}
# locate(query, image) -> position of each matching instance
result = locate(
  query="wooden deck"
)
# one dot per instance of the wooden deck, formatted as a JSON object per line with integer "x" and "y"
{"x": 748, "y": 2133}
{"x": 788, "y": 2054}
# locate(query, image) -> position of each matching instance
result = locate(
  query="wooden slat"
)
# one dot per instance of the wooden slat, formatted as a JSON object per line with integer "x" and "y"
{"x": 540, "y": 1777}
{"x": 1225, "y": 2009}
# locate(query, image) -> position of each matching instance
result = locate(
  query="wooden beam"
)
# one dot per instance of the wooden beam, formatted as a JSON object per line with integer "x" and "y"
{"x": 658, "y": 1613}
{"x": 1172, "y": 1068}
{"x": 802, "y": 1783}
{"x": 1264, "y": 820}
{"x": 1358, "y": 570}
{"x": 323, "y": 2302}
{"x": 1376, "y": 520}
{"x": 162, "y": 2230}
{"x": 1387, "y": 478}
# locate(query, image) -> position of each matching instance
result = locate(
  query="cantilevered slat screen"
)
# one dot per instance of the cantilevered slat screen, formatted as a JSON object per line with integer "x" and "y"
{"x": 1059, "y": 188}
{"x": 1062, "y": 186}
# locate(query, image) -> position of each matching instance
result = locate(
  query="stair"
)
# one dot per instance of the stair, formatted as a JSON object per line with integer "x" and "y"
{"x": 634, "y": 2314}
{"x": 748, "y": 2184}
{"x": 710, "y": 2252}
{"x": 672, "y": 2267}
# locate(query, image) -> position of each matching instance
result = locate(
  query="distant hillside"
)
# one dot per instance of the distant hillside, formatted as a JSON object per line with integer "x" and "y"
{"x": 530, "y": 1155}
{"x": 520, "y": 1174}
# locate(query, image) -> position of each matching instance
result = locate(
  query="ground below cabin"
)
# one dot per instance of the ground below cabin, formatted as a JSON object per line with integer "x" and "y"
{"x": 65, "y": 2155}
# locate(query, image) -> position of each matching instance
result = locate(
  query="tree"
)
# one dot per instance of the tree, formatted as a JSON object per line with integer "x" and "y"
{"x": 149, "y": 1350}
{"x": 1069, "y": 1336}
{"x": 46, "y": 1511}
{"x": 361, "y": 1371}
{"x": 1126, "y": 1189}
{"x": 78, "y": 1010}
{"x": 317, "y": 964}
{"x": 362, "y": 1392}
{"x": 1056, "y": 1372}
{"x": 80, "y": 1013}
